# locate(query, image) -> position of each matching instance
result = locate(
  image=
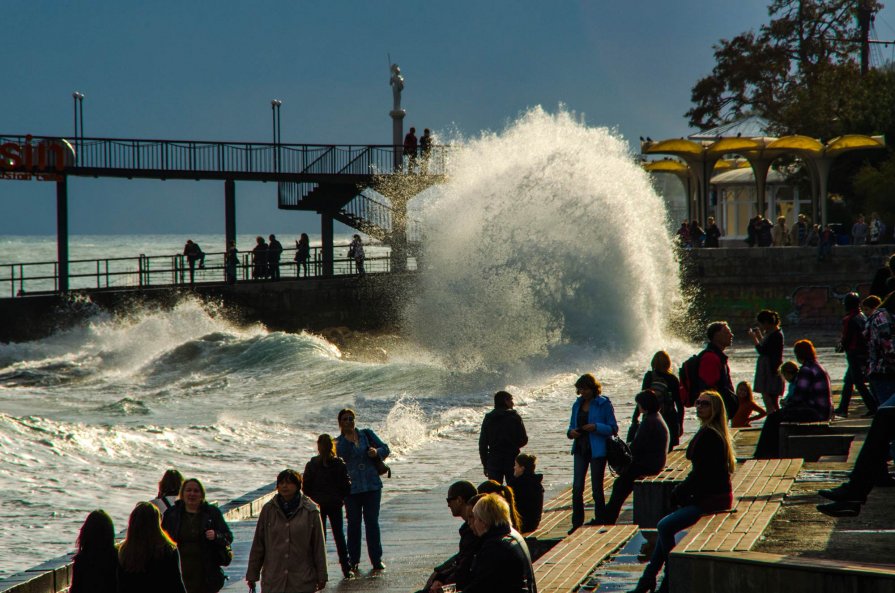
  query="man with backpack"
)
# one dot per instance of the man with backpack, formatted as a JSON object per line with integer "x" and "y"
{"x": 709, "y": 370}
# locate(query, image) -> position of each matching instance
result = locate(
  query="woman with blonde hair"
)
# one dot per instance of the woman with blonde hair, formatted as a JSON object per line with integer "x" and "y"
{"x": 148, "y": 560}
{"x": 503, "y": 562}
{"x": 707, "y": 488}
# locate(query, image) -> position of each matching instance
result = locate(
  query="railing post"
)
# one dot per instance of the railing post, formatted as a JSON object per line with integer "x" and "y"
{"x": 140, "y": 270}
{"x": 97, "y": 274}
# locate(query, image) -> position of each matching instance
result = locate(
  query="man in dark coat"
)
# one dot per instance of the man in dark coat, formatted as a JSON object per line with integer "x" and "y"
{"x": 502, "y": 437}
{"x": 274, "y": 251}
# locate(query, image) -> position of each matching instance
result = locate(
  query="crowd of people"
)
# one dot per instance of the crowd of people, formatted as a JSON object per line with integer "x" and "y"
{"x": 178, "y": 542}
{"x": 266, "y": 258}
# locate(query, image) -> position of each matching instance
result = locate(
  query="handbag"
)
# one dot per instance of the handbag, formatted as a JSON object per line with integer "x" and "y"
{"x": 225, "y": 555}
{"x": 381, "y": 467}
{"x": 618, "y": 454}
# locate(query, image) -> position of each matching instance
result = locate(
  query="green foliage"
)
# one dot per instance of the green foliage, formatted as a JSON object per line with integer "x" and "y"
{"x": 876, "y": 187}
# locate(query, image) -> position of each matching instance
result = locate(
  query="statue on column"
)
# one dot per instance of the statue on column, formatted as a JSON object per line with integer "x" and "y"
{"x": 397, "y": 82}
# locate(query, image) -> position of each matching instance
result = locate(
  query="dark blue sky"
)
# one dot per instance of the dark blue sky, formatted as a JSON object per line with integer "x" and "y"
{"x": 208, "y": 70}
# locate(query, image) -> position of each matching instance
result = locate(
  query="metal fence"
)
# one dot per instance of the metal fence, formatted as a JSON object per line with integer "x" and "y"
{"x": 145, "y": 271}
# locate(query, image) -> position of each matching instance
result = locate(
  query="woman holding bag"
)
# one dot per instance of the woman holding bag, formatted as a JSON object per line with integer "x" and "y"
{"x": 593, "y": 421}
{"x": 361, "y": 450}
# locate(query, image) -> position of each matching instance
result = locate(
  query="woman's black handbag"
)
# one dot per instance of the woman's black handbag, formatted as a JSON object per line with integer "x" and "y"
{"x": 381, "y": 467}
{"x": 618, "y": 454}
{"x": 225, "y": 555}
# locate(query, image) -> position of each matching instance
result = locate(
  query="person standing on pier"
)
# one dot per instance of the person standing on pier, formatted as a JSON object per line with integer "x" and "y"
{"x": 501, "y": 438}
{"x": 410, "y": 148}
{"x": 302, "y": 254}
{"x": 356, "y": 251}
{"x": 259, "y": 259}
{"x": 95, "y": 565}
{"x": 274, "y": 252}
{"x": 425, "y": 151}
{"x": 592, "y": 423}
{"x": 231, "y": 262}
{"x": 768, "y": 339}
{"x": 168, "y": 490}
{"x": 360, "y": 449}
{"x": 148, "y": 561}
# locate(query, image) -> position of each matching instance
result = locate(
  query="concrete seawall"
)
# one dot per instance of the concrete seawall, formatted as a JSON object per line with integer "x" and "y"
{"x": 735, "y": 283}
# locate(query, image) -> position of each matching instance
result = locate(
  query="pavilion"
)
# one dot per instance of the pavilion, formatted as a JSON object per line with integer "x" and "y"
{"x": 700, "y": 157}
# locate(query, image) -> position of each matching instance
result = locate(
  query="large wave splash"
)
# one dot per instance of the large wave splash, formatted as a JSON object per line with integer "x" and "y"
{"x": 546, "y": 233}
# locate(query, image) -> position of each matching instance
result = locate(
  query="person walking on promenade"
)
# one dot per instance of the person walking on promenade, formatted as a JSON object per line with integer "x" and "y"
{"x": 667, "y": 390}
{"x": 763, "y": 231}
{"x": 503, "y": 562}
{"x": 202, "y": 536}
{"x": 712, "y": 233}
{"x": 811, "y": 401}
{"x": 779, "y": 233}
{"x": 683, "y": 235}
{"x": 168, "y": 490}
{"x": 592, "y": 423}
{"x": 425, "y": 151}
{"x": 747, "y": 405}
{"x": 713, "y": 371}
{"x": 288, "y": 553}
{"x": 360, "y": 448}
{"x": 825, "y": 246}
{"x": 193, "y": 254}
{"x": 501, "y": 438}
{"x": 883, "y": 283}
{"x": 870, "y": 470}
{"x": 859, "y": 231}
{"x": 259, "y": 259}
{"x": 302, "y": 254}
{"x": 648, "y": 450}
{"x": 697, "y": 235}
{"x": 456, "y": 569}
{"x": 707, "y": 488}
{"x": 95, "y": 564}
{"x": 148, "y": 561}
{"x": 768, "y": 340}
{"x": 853, "y": 342}
{"x": 356, "y": 251}
{"x": 326, "y": 482}
{"x": 410, "y": 148}
{"x": 528, "y": 491}
{"x": 274, "y": 252}
{"x": 231, "y": 262}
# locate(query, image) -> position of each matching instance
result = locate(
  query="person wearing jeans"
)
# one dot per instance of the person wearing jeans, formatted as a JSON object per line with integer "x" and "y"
{"x": 707, "y": 488}
{"x": 592, "y": 422}
{"x": 326, "y": 483}
{"x": 359, "y": 448}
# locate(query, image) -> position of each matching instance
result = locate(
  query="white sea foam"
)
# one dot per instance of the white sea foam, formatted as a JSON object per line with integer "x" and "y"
{"x": 546, "y": 233}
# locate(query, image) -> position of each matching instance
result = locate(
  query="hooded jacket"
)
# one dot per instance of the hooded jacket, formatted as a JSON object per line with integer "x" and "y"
{"x": 288, "y": 553}
{"x": 528, "y": 491}
{"x": 502, "y": 436}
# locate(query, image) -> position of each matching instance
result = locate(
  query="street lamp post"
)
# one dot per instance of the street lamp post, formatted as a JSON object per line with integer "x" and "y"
{"x": 78, "y": 99}
{"x": 275, "y": 105}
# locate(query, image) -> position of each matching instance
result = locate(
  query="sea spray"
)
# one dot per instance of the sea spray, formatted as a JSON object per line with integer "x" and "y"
{"x": 544, "y": 234}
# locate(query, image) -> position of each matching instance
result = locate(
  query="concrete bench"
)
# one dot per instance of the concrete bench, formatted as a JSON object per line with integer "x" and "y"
{"x": 652, "y": 494}
{"x": 759, "y": 487}
{"x": 811, "y": 447}
{"x": 746, "y": 572}
{"x": 569, "y": 563}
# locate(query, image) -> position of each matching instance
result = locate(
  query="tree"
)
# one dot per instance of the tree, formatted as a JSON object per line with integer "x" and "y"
{"x": 794, "y": 53}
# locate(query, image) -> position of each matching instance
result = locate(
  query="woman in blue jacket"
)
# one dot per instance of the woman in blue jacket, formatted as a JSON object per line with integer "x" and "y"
{"x": 592, "y": 423}
{"x": 358, "y": 448}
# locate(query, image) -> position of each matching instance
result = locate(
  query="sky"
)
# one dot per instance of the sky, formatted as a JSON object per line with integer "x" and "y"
{"x": 204, "y": 70}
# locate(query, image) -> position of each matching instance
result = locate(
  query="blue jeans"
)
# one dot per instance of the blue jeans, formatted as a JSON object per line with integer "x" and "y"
{"x": 597, "y": 467}
{"x": 668, "y": 527}
{"x": 364, "y": 506}
{"x": 882, "y": 389}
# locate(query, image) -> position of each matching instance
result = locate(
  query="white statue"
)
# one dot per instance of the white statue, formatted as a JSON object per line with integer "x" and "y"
{"x": 397, "y": 82}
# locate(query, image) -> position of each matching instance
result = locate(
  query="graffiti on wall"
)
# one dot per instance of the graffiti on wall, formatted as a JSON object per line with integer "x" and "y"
{"x": 817, "y": 304}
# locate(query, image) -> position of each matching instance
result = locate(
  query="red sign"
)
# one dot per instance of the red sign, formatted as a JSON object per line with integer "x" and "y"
{"x": 42, "y": 161}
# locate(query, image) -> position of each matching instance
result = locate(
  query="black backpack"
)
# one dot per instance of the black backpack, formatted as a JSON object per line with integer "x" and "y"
{"x": 689, "y": 378}
{"x": 662, "y": 389}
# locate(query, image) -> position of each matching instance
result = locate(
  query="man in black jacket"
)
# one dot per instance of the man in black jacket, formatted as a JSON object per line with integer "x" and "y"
{"x": 457, "y": 569}
{"x": 502, "y": 437}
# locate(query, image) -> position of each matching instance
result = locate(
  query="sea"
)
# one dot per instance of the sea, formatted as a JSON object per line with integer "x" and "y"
{"x": 548, "y": 255}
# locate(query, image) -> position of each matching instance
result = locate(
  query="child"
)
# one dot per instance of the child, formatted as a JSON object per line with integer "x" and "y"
{"x": 789, "y": 370}
{"x": 869, "y": 305}
{"x": 528, "y": 491}
{"x": 747, "y": 405}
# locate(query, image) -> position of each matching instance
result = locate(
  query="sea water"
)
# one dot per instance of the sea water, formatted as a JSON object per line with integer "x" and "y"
{"x": 547, "y": 256}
